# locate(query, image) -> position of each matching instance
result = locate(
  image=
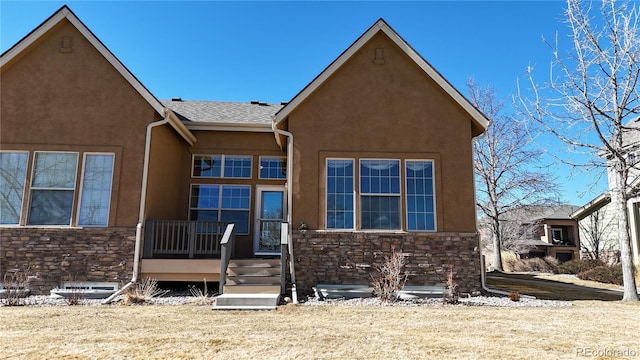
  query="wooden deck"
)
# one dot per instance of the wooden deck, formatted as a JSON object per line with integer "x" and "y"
{"x": 181, "y": 269}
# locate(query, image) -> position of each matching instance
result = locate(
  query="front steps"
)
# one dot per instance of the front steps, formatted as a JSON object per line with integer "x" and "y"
{"x": 251, "y": 284}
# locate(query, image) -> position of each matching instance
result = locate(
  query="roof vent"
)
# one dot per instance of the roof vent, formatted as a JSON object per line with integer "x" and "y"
{"x": 176, "y": 99}
{"x": 262, "y": 103}
{"x": 284, "y": 103}
{"x": 255, "y": 102}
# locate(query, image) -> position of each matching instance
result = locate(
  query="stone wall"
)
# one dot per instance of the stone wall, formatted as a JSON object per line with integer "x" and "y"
{"x": 53, "y": 255}
{"x": 348, "y": 257}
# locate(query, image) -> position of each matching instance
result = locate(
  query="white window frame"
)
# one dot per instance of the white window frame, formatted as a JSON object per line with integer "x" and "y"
{"x": 81, "y": 187}
{"x": 281, "y": 158}
{"x": 24, "y": 187}
{"x": 222, "y": 166}
{"x": 220, "y": 208}
{"x": 433, "y": 192}
{"x": 326, "y": 194}
{"x": 398, "y": 195}
{"x": 32, "y": 188}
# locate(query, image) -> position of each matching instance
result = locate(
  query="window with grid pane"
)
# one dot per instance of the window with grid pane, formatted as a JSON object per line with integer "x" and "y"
{"x": 380, "y": 194}
{"x": 13, "y": 172}
{"x": 420, "y": 199}
{"x": 273, "y": 167}
{"x": 222, "y": 166}
{"x": 228, "y": 203}
{"x": 340, "y": 204}
{"x": 95, "y": 196}
{"x": 52, "y": 188}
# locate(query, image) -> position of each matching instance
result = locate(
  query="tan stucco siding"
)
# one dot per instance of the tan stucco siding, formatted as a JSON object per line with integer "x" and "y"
{"x": 391, "y": 110}
{"x": 77, "y": 101}
{"x": 232, "y": 143}
{"x": 167, "y": 163}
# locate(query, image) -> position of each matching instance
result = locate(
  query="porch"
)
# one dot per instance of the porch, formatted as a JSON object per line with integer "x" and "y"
{"x": 192, "y": 251}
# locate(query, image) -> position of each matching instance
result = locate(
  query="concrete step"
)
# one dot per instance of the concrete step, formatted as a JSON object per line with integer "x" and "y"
{"x": 253, "y": 280}
{"x": 251, "y": 301}
{"x": 253, "y": 271}
{"x": 248, "y": 289}
{"x": 257, "y": 263}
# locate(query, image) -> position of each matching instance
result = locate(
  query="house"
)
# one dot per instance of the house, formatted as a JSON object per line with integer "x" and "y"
{"x": 103, "y": 182}
{"x": 540, "y": 231}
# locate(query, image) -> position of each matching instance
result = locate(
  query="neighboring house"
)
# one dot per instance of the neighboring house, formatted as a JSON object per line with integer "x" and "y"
{"x": 539, "y": 231}
{"x": 374, "y": 155}
{"x": 598, "y": 230}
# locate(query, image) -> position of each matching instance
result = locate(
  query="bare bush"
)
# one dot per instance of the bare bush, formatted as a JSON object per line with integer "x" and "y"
{"x": 514, "y": 296}
{"x": 16, "y": 286}
{"x": 143, "y": 292}
{"x": 451, "y": 295}
{"x": 201, "y": 296}
{"x": 390, "y": 277}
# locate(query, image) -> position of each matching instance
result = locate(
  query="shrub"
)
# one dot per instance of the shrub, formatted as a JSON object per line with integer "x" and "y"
{"x": 509, "y": 259}
{"x": 390, "y": 277}
{"x": 143, "y": 292}
{"x": 548, "y": 264}
{"x": 451, "y": 295}
{"x": 16, "y": 286}
{"x": 604, "y": 274}
{"x": 514, "y": 296}
{"x": 577, "y": 266}
{"x": 201, "y": 297}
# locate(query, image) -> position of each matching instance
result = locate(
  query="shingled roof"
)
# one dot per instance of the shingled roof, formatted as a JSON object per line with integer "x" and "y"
{"x": 222, "y": 112}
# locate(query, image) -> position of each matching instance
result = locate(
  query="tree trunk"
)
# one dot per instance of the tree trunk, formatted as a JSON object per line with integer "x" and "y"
{"x": 497, "y": 253}
{"x": 618, "y": 200}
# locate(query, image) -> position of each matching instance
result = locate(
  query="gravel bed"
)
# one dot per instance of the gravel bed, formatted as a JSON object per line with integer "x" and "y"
{"x": 470, "y": 301}
{"x": 180, "y": 298}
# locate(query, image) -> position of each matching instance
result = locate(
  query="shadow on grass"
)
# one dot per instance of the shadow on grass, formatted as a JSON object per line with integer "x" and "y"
{"x": 548, "y": 289}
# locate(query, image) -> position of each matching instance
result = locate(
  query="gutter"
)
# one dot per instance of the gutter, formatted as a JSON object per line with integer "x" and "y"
{"x": 143, "y": 202}
{"x": 292, "y": 270}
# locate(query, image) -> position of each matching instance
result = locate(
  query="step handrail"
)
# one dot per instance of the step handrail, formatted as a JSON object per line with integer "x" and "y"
{"x": 226, "y": 249}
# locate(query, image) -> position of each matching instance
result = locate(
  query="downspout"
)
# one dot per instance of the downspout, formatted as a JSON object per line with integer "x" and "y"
{"x": 292, "y": 270}
{"x": 141, "y": 216}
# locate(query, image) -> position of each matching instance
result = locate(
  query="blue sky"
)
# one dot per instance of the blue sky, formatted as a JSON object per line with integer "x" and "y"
{"x": 268, "y": 51}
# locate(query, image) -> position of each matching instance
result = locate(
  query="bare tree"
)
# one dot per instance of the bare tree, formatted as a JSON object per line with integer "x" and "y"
{"x": 594, "y": 236}
{"x": 591, "y": 99}
{"x": 508, "y": 170}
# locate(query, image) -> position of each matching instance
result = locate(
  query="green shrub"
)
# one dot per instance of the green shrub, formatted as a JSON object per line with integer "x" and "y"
{"x": 604, "y": 274}
{"x": 578, "y": 266}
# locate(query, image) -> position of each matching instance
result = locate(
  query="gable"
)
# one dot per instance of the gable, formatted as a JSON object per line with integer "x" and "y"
{"x": 478, "y": 121}
{"x": 14, "y": 53}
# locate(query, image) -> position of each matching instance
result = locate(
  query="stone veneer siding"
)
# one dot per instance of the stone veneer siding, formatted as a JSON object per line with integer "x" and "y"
{"x": 61, "y": 254}
{"x": 329, "y": 257}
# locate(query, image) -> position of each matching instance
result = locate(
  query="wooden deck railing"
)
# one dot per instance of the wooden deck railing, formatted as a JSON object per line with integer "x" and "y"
{"x": 186, "y": 239}
{"x": 227, "y": 244}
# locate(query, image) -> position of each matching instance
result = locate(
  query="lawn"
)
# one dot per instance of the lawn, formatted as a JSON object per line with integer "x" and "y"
{"x": 314, "y": 332}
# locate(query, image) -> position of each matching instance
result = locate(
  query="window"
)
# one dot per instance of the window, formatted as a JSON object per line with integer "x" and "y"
{"x": 13, "y": 172}
{"x": 380, "y": 194}
{"x": 340, "y": 204}
{"x": 95, "y": 196}
{"x": 52, "y": 188}
{"x": 222, "y": 166}
{"x": 227, "y": 203}
{"x": 420, "y": 201}
{"x": 273, "y": 167}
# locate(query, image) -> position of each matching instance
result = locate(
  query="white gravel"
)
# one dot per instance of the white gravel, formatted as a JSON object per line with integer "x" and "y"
{"x": 181, "y": 299}
{"x": 470, "y": 301}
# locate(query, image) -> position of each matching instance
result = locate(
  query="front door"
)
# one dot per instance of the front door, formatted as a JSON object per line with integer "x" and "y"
{"x": 270, "y": 213}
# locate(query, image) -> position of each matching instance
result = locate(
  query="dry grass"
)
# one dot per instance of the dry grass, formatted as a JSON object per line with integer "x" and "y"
{"x": 294, "y": 331}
